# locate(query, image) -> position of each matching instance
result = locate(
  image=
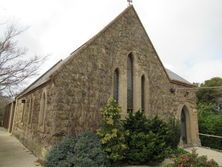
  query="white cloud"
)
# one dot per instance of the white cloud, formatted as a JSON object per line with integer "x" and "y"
{"x": 205, "y": 69}
{"x": 187, "y": 34}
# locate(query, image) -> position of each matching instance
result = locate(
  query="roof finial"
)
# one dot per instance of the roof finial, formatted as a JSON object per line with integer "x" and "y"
{"x": 130, "y": 2}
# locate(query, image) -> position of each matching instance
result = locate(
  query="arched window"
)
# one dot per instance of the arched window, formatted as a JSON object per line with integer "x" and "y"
{"x": 116, "y": 85}
{"x": 130, "y": 83}
{"x": 143, "y": 93}
{"x": 23, "y": 104}
{"x": 183, "y": 126}
{"x": 30, "y": 110}
{"x": 42, "y": 112}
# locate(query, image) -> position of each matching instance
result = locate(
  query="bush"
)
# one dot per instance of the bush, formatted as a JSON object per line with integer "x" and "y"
{"x": 149, "y": 139}
{"x": 83, "y": 151}
{"x": 209, "y": 95}
{"x": 211, "y": 142}
{"x": 175, "y": 152}
{"x": 111, "y": 133}
{"x": 172, "y": 137}
{"x": 88, "y": 151}
{"x": 61, "y": 155}
{"x": 192, "y": 159}
{"x": 210, "y": 122}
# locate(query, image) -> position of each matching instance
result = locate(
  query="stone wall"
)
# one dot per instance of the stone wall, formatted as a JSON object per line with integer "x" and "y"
{"x": 36, "y": 138}
{"x": 85, "y": 82}
{"x": 6, "y": 117}
{"x": 82, "y": 85}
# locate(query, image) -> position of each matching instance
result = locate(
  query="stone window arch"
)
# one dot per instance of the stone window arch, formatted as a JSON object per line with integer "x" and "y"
{"x": 43, "y": 107}
{"x": 185, "y": 125}
{"x": 143, "y": 93}
{"x": 30, "y": 110}
{"x": 130, "y": 83}
{"x": 23, "y": 108}
{"x": 116, "y": 85}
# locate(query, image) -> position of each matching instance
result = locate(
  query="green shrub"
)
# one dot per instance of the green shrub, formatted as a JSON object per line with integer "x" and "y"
{"x": 145, "y": 148}
{"x": 172, "y": 134}
{"x": 61, "y": 155}
{"x": 192, "y": 159}
{"x": 111, "y": 133}
{"x": 136, "y": 122}
{"x": 211, "y": 142}
{"x": 149, "y": 139}
{"x": 168, "y": 130}
{"x": 83, "y": 151}
{"x": 209, "y": 95}
{"x": 210, "y": 122}
{"x": 176, "y": 152}
{"x": 88, "y": 151}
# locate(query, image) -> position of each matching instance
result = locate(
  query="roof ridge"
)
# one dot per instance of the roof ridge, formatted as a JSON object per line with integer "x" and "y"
{"x": 20, "y": 94}
{"x": 92, "y": 38}
{"x": 175, "y": 77}
{"x": 87, "y": 43}
{"x": 105, "y": 28}
{"x": 156, "y": 54}
{"x": 81, "y": 47}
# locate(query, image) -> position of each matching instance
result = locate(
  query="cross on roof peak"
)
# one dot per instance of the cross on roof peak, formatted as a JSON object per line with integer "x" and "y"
{"x": 130, "y": 2}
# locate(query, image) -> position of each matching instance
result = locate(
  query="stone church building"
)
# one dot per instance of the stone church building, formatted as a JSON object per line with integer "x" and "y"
{"x": 119, "y": 61}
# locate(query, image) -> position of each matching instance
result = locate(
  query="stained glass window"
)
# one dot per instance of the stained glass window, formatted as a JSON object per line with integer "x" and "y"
{"x": 130, "y": 83}
{"x": 42, "y": 112}
{"x": 143, "y": 93}
{"x": 116, "y": 85}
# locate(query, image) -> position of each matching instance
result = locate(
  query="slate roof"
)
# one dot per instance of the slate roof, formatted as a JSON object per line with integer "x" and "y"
{"x": 173, "y": 76}
{"x": 42, "y": 79}
{"x": 47, "y": 75}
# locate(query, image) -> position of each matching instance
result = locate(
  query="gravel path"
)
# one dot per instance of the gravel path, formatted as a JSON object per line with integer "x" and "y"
{"x": 13, "y": 153}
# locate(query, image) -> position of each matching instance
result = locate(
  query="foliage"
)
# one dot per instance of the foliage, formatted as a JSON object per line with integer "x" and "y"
{"x": 192, "y": 159}
{"x": 111, "y": 133}
{"x": 62, "y": 154}
{"x": 83, "y": 151}
{"x": 176, "y": 152}
{"x": 211, "y": 142}
{"x": 209, "y": 95}
{"x": 216, "y": 81}
{"x": 172, "y": 137}
{"x": 148, "y": 139}
{"x": 210, "y": 122}
{"x": 88, "y": 151}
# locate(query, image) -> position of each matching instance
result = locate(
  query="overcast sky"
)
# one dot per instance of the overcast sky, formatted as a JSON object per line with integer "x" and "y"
{"x": 187, "y": 34}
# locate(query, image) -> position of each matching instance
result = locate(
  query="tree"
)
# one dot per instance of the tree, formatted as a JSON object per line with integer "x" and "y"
{"x": 112, "y": 133}
{"x": 15, "y": 65}
{"x": 216, "y": 81}
{"x": 210, "y": 95}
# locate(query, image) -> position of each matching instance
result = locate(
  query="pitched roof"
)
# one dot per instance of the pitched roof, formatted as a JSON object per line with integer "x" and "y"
{"x": 46, "y": 77}
{"x": 42, "y": 79}
{"x": 52, "y": 71}
{"x": 173, "y": 76}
